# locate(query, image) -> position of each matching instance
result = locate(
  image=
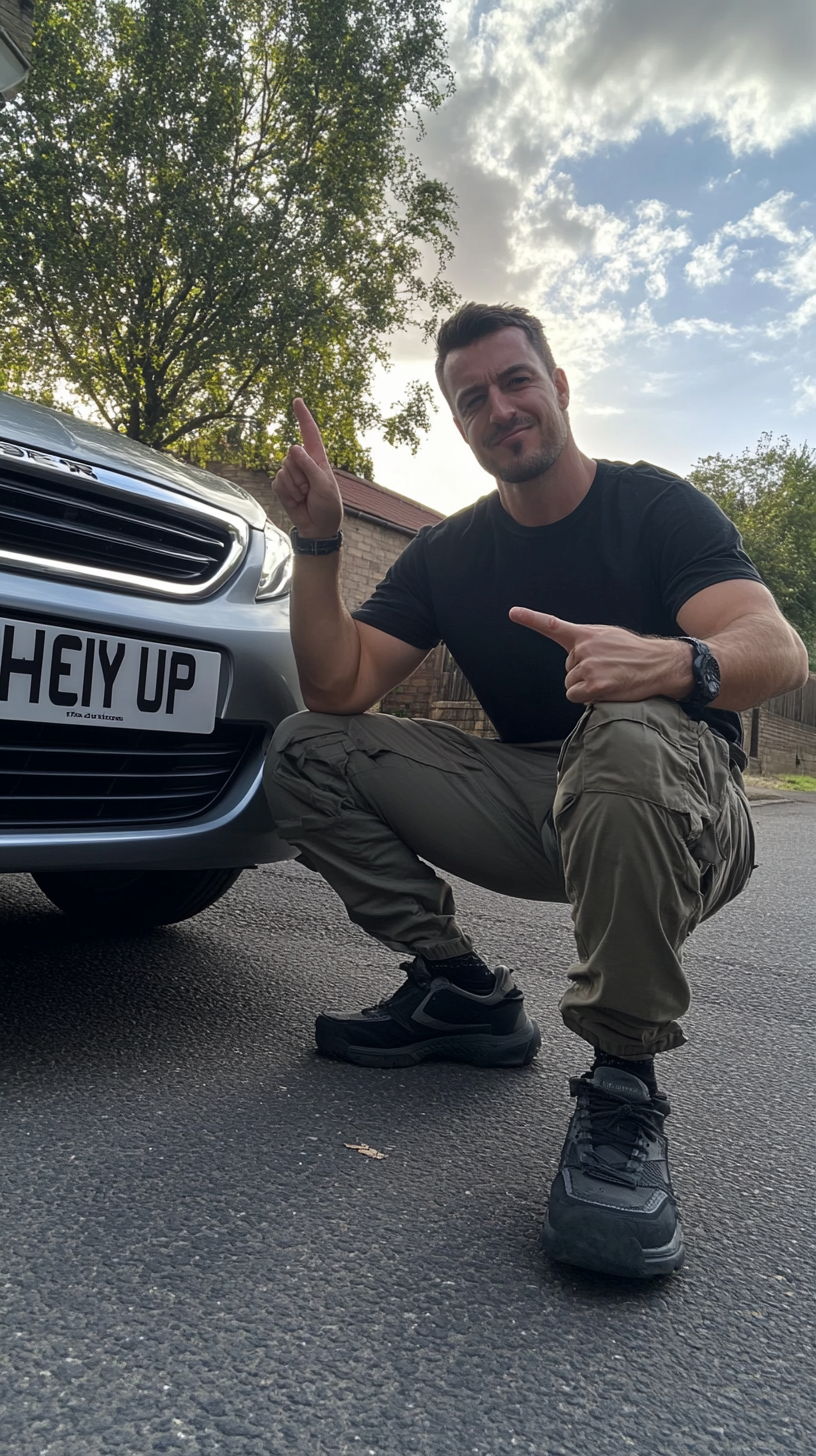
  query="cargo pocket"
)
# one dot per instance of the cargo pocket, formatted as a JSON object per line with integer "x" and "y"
{"x": 433, "y": 745}
{"x": 307, "y": 766}
{"x": 644, "y": 751}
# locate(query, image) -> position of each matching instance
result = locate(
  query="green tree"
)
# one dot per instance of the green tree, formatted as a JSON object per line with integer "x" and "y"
{"x": 770, "y": 495}
{"x": 207, "y": 206}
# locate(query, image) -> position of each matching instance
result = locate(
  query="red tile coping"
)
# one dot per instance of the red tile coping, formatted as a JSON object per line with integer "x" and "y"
{"x": 384, "y": 505}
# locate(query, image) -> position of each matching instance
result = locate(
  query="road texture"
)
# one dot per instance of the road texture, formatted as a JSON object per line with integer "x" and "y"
{"x": 194, "y": 1260}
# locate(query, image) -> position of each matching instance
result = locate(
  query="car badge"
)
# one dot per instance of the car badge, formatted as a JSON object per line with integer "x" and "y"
{"x": 40, "y": 457}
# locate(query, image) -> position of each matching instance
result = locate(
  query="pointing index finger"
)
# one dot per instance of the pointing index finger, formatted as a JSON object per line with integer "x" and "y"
{"x": 310, "y": 434}
{"x": 564, "y": 633}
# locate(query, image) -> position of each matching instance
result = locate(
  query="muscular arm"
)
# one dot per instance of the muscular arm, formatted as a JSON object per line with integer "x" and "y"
{"x": 759, "y": 653}
{"x": 344, "y": 666}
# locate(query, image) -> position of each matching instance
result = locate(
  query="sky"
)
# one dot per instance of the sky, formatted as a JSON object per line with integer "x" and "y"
{"x": 642, "y": 175}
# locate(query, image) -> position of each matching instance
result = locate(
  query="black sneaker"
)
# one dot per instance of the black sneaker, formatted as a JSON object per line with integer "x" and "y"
{"x": 429, "y": 1018}
{"x": 611, "y": 1207}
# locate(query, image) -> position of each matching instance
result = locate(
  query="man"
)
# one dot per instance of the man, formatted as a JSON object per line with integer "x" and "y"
{"x": 612, "y": 627}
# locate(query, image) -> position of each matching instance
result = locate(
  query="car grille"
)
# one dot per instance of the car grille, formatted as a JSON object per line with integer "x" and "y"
{"x": 134, "y": 536}
{"x": 55, "y": 777}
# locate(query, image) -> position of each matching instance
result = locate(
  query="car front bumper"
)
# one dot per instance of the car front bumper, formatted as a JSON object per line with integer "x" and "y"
{"x": 258, "y": 686}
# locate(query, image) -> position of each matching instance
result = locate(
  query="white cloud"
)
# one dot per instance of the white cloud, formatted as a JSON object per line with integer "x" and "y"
{"x": 554, "y": 80}
{"x": 691, "y": 326}
{"x": 714, "y": 183}
{"x": 588, "y": 252}
{"x": 799, "y": 320}
{"x": 591, "y": 271}
{"x": 766, "y": 220}
{"x": 711, "y": 262}
{"x": 542, "y": 81}
{"x": 805, "y": 395}
{"x": 794, "y": 271}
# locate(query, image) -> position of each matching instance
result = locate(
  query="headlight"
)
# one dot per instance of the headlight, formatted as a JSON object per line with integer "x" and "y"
{"x": 276, "y": 572}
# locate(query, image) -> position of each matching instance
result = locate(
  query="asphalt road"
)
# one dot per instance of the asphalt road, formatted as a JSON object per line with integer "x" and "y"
{"x": 193, "y": 1260}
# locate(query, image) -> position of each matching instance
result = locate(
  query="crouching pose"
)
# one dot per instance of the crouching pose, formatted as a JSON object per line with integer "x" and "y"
{"x": 612, "y": 627}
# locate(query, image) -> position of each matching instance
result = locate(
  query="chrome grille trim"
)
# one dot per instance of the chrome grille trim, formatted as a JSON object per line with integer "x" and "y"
{"x": 189, "y": 537}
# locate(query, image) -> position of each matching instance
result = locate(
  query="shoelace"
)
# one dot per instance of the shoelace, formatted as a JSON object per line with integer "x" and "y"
{"x": 416, "y": 973}
{"x": 617, "y": 1123}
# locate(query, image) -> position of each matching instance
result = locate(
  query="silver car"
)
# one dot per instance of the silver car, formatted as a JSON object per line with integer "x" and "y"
{"x": 144, "y": 664}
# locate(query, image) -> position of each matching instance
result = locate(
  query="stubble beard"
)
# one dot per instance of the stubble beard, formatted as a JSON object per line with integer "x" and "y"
{"x": 531, "y": 467}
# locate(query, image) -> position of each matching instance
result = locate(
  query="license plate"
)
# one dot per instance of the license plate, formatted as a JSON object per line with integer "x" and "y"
{"x": 60, "y": 675}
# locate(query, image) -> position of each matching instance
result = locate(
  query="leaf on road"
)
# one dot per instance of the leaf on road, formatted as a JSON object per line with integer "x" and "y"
{"x": 366, "y": 1151}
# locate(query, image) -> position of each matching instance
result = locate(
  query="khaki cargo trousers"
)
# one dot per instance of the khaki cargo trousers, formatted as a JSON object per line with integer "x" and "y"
{"x": 639, "y": 822}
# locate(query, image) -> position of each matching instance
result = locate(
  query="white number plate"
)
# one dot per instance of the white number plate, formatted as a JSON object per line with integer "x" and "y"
{"x": 59, "y": 675}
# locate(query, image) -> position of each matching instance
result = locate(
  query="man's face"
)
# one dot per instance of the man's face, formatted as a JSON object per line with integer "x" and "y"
{"x": 512, "y": 414}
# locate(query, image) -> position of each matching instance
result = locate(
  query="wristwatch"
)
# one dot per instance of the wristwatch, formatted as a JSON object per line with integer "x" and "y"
{"x": 707, "y": 680}
{"x": 315, "y": 547}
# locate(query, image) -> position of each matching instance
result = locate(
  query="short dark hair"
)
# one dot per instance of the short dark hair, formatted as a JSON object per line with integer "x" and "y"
{"x": 475, "y": 320}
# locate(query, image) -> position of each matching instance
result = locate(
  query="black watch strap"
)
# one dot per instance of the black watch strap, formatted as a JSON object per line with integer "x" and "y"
{"x": 315, "y": 547}
{"x": 706, "y": 670}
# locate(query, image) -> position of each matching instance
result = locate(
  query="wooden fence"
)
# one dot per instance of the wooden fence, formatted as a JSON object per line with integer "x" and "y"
{"x": 799, "y": 705}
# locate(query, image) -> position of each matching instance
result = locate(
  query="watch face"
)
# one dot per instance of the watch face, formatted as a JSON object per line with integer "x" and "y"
{"x": 707, "y": 676}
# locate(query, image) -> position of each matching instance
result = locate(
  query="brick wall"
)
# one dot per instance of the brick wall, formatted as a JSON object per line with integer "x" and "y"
{"x": 415, "y": 697}
{"x": 368, "y": 551}
{"x": 464, "y": 713}
{"x": 419, "y": 697}
{"x": 368, "y": 548}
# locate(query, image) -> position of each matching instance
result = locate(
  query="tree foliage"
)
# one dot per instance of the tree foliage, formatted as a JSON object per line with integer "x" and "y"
{"x": 770, "y": 495}
{"x": 207, "y": 206}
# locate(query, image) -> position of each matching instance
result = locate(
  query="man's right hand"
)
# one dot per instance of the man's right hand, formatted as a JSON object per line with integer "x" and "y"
{"x": 305, "y": 483}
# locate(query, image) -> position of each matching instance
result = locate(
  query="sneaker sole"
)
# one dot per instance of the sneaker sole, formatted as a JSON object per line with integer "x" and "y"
{"x": 628, "y": 1259}
{"x": 517, "y": 1050}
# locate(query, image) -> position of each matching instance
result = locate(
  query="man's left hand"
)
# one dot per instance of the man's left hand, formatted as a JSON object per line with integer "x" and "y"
{"x": 611, "y": 665}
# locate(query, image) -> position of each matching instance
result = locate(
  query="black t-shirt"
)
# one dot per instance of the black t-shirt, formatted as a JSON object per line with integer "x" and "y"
{"x": 640, "y": 543}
